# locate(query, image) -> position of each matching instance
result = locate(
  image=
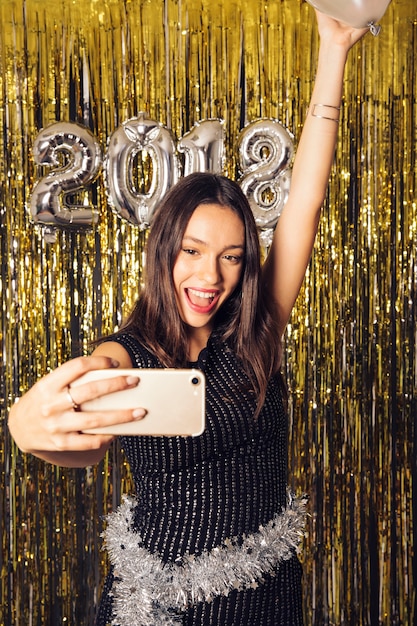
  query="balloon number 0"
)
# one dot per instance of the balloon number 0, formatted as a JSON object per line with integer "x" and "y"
{"x": 140, "y": 137}
{"x": 142, "y": 162}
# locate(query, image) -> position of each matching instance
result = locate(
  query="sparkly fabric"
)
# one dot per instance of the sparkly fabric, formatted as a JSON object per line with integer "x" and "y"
{"x": 195, "y": 493}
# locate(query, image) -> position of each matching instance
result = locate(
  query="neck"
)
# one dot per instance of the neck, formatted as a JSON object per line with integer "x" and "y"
{"x": 197, "y": 341}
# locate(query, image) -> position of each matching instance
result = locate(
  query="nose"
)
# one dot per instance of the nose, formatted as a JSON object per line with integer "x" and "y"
{"x": 209, "y": 270}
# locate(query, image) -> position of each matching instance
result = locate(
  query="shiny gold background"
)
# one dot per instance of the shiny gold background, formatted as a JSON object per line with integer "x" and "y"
{"x": 351, "y": 346}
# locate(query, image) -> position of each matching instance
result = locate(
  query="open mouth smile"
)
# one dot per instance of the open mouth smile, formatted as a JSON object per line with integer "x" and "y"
{"x": 201, "y": 300}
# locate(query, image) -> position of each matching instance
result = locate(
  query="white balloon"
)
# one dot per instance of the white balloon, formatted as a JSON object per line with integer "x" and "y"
{"x": 356, "y": 13}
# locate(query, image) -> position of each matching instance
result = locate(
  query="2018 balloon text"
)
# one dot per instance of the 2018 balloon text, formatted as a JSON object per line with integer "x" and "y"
{"x": 143, "y": 160}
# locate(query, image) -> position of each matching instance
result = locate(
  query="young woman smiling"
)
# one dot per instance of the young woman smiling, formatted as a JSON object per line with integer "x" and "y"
{"x": 210, "y": 537}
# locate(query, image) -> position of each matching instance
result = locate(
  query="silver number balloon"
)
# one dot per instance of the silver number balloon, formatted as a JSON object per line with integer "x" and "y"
{"x": 142, "y": 137}
{"x": 356, "y": 13}
{"x": 203, "y": 147}
{"x": 265, "y": 151}
{"x": 74, "y": 156}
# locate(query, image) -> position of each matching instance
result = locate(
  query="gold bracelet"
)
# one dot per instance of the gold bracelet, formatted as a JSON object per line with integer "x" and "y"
{"x": 325, "y": 117}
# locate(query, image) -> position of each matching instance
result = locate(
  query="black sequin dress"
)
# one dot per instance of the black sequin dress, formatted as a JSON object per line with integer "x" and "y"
{"x": 195, "y": 493}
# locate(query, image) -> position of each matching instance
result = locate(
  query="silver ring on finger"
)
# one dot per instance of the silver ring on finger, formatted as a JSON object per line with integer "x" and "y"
{"x": 75, "y": 406}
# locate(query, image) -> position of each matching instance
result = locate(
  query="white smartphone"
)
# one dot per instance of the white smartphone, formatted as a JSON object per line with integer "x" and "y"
{"x": 174, "y": 400}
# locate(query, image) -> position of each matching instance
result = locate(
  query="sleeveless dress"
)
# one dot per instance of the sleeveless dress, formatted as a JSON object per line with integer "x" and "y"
{"x": 210, "y": 537}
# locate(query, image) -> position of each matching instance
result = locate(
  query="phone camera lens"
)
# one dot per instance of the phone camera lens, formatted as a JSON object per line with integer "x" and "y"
{"x": 195, "y": 380}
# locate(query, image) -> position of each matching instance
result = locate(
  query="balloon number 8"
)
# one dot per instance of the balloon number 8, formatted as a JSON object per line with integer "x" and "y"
{"x": 142, "y": 162}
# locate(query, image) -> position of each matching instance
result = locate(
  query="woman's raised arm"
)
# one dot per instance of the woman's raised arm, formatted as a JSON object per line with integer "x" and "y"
{"x": 294, "y": 236}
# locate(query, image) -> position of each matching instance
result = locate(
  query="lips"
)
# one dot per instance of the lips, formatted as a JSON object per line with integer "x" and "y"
{"x": 202, "y": 300}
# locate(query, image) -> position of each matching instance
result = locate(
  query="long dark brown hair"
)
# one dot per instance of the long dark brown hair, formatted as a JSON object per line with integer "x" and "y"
{"x": 245, "y": 321}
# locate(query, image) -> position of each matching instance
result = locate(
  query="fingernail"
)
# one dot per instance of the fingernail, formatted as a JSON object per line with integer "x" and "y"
{"x": 114, "y": 363}
{"x": 132, "y": 380}
{"x": 137, "y": 414}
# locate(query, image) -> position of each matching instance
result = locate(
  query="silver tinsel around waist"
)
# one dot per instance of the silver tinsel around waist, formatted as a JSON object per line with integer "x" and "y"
{"x": 149, "y": 592}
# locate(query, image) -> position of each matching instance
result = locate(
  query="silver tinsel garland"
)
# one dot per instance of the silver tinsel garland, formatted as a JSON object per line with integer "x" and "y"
{"x": 148, "y": 592}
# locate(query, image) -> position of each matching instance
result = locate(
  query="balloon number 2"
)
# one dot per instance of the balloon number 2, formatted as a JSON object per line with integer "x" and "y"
{"x": 142, "y": 162}
{"x": 73, "y": 156}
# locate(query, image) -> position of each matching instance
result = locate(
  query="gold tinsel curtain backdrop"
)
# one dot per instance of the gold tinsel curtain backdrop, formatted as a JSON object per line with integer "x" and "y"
{"x": 351, "y": 358}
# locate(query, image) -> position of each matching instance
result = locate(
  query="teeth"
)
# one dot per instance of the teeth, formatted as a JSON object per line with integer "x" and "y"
{"x": 203, "y": 294}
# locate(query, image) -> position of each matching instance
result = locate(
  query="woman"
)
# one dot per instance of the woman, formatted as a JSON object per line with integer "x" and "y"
{"x": 210, "y": 538}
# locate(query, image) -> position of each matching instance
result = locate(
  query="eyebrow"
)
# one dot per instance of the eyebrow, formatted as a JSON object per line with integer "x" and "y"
{"x": 204, "y": 243}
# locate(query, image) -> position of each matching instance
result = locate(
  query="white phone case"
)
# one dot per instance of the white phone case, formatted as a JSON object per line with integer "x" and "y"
{"x": 174, "y": 400}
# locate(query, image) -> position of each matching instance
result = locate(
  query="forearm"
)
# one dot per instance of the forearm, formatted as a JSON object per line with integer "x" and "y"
{"x": 72, "y": 459}
{"x": 293, "y": 241}
{"x": 316, "y": 148}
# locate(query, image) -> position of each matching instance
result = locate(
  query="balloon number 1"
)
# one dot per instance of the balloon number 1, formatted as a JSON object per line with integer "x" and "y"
{"x": 142, "y": 162}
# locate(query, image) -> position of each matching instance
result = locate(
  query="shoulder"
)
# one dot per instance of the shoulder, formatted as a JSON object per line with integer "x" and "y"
{"x": 126, "y": 347}
{"x": 116, "y": 351}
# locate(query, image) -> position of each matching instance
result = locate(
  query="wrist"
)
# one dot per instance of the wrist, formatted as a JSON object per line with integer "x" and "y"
{"x": 332, "y": 53}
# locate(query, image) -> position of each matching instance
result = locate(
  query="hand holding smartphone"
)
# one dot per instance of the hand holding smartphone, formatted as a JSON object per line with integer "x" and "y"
{"x": 174, "y": 400}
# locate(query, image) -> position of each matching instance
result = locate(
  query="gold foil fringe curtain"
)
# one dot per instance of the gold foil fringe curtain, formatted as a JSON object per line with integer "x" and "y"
{"x": 351, "y": 360}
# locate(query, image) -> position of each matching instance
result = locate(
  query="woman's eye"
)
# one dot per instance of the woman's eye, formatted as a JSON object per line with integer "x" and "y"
{"x": 233, "y": 258}
{"x": 189, "y": 251}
